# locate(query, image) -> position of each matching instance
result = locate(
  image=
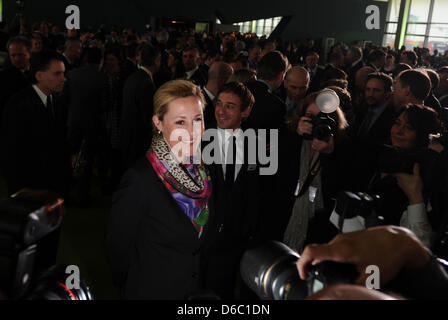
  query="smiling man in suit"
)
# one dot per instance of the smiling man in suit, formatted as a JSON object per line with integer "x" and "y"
{"x": 34, "y": 145}
{"x": 235, "y": 191}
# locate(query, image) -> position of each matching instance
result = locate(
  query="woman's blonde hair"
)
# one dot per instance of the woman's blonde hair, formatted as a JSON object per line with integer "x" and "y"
{"x": 173, "y": 90}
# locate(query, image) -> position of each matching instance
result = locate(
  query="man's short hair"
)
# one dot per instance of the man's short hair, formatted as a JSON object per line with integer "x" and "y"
{"x": 418, "y": 81}
{"x": 252, "y": 45}
{"x": 239, "y": 89}
{"x": 149, "y": 54}
{"x": 188, "y": 49}
{"x": 411, "y": 56}
{"x": 356, "y": 52}
{"x": 42, "y": 61}
{"x": 399, "y": 68}
{"x": 70, "y": 42}
{"x": 335, "y": 55}
{"x": 386, "y": 79}
{"x": 312, "y": 53}
{"x": 243, "y": 60}
{"x": 20, "y": 40}
{"x": 271, "y": 65}
{"x": 376, "y": 54}
{"x": 434, "y": 77}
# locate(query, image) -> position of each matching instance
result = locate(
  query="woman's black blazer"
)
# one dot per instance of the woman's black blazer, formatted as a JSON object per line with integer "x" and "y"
{"x": 151, "y": 245}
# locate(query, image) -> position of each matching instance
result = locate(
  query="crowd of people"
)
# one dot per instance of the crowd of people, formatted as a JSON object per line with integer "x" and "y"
{"x": 109, "y": 103}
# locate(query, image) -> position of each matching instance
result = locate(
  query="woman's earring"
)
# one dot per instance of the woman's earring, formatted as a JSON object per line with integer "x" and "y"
{"x": 159, "y": 132}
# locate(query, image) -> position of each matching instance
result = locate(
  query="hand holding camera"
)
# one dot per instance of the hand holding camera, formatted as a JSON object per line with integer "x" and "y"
{"x": 411, "y": 184}
{"x": 388, "y": 247}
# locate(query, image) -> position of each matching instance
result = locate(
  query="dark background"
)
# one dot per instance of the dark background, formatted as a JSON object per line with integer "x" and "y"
{"x": 343, "y": 20}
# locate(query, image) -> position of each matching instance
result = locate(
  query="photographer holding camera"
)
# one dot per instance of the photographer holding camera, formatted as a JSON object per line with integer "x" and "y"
{"x": 409, "y": 177}
{"x": 313, "y": 172}
{"x": 407, "y": 267}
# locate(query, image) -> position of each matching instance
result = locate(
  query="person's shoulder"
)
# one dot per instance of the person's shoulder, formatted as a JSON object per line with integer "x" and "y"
{"x": 22, "y": 95}
{"x": 140, "y": 168}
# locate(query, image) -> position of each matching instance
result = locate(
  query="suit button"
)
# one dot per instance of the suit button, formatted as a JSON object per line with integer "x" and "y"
{"x": 221, "y": 227}
{"x": 196, "y": 252}
{"x": 194, "y": 275}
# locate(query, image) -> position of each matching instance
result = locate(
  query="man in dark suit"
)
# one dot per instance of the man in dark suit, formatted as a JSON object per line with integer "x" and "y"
{"x": 218, "y": 74}
{"x": 72, "y": 54}
{"x": 35, "y": 153}
{"x": 254, "y": 55}
{"x": 190, "y": 60}
{"x": 86, "y": 93}
{"x": 314, "y": 69}
{"x": 138, "y": 92}
{"x": 235, "y": 191}
{"x": 372, "y": 125}
{"x": 294, "y": 89}
{"x": 411, "y": 86}
{"x": 14, "y": 78}
{"x": 354, "y": 61}
{"x": 269, "y": 110}
{"x": 377, "y": 60}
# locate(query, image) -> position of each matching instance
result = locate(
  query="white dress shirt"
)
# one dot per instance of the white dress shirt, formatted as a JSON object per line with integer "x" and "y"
{"x": 224, "y": 140}
{"x": 41, "y": 95}
{"x": 191, "y": 72}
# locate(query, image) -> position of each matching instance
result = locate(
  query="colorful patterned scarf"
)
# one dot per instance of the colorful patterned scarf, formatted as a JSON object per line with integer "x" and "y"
{"x": 189, "y": 184}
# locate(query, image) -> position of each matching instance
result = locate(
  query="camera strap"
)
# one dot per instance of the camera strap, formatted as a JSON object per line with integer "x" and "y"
{"x": 312, "y": 172}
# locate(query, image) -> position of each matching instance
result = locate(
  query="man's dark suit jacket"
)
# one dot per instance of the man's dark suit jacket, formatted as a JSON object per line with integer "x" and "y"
{"x": 34, "y": 148}
{"x": 234, "y": 227}
{"x": 316, "y": 78}
{"x": 12, "y": 80}
{"x": 366, "y": 148}
{"x": 136, "y": 116}
{"x": 268, "y": 111}
{"x": 209, "y": 111}
{"x": 151, "y": 245}
{"x": 69, "y": 66}
{"x": 86, "y": 90}
{"x": 199, "y": 77}
{"x": 351, "y": 73}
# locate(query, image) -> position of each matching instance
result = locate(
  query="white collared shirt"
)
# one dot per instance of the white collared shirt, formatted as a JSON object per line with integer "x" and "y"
{"x": 147, "y": 71}
{"x": 269, "y": 86}
{"x": 41, "y": 95}
{"x": 210, "y": 95}
{"x": 68, "y": 60}
{"x": 224, "y": 140}
{"x": 191, "y": 72}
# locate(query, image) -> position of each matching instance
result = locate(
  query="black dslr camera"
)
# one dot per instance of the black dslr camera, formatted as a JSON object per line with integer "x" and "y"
{"x": 29, "y": 234}
{"x": 270, "y": 271}
{"x": 323, "y": 127}
{"x": 395, "y": 160}
{"x": 356, "y": 211}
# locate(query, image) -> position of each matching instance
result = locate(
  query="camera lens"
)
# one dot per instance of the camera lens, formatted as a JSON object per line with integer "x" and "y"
{"x": 270, "y": 271}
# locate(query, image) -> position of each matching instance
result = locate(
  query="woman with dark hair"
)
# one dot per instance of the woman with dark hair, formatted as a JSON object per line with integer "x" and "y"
{"x": 407, "y": 198}
{"x": 313, "y": 175}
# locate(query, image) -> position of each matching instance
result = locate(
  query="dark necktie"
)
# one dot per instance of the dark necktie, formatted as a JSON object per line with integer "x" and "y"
{"x": 230, "y": 161}
{"x": 50, "y": 107}
{"x": 364, "y": 129}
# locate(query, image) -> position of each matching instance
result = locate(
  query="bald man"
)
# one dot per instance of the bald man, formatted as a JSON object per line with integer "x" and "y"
{"x": 296, "y": 83}
{"x": 218, "y": 74}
